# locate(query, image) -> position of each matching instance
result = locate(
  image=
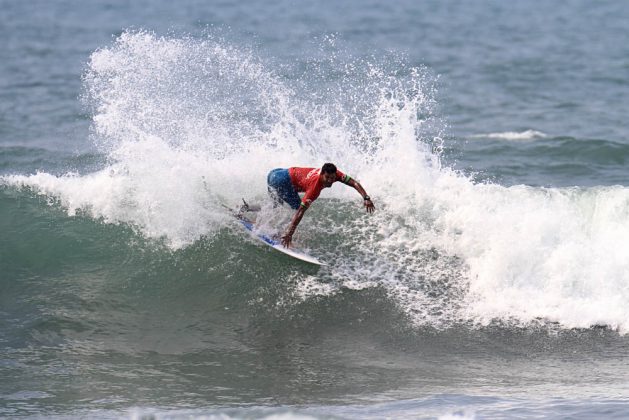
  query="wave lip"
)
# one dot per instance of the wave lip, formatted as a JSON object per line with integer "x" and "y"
{"x": 513, "y": 135}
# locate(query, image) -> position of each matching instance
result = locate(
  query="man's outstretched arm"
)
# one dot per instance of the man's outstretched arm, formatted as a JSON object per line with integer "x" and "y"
{"x": 288, "y": 236}
{"x": 367, "y": 200}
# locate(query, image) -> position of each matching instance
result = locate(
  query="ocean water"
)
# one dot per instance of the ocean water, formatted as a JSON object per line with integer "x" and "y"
{"x": 491, "y": 282}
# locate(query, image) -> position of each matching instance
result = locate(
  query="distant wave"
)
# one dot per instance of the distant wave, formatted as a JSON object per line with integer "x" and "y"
{"x": 514, "y": 135}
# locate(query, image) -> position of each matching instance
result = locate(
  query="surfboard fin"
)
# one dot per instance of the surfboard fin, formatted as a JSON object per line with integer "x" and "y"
{"x": 246, "y": 207}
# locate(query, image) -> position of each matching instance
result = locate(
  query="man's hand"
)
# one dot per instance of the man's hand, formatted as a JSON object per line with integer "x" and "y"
{"x": 287, "y": 239}
{"x": 369, "y": 206}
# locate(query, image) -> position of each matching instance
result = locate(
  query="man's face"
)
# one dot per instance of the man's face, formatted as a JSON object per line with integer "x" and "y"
{"x": 328, "y": 179}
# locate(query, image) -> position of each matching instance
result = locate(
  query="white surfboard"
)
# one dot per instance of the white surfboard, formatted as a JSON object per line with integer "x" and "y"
{"x": 273, "y": 243}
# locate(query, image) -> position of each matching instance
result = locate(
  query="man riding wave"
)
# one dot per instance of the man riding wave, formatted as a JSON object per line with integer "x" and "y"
{"x": 286, "y": 184}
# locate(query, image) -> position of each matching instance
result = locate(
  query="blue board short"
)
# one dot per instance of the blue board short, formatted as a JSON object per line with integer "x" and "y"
{"x": 281, "y": 188}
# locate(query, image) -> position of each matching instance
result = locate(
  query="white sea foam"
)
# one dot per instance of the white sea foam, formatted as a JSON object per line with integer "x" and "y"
{"x": 188, "y": 125}
{"x": 514, "y": 135}
{"x": 310, "y": 286}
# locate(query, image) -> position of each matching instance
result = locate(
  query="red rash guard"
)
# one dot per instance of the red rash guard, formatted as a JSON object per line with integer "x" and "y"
{"x": 308, "y": 180}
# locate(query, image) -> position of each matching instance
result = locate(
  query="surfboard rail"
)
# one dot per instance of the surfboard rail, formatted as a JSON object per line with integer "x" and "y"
{"x": 274, "y": 243}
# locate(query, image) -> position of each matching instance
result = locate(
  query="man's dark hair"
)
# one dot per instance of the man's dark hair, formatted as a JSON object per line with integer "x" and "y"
{"x": 329, "y": 168}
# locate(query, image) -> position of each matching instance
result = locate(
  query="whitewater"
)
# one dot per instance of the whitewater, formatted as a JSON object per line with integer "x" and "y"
{"x": 187, "y": 125}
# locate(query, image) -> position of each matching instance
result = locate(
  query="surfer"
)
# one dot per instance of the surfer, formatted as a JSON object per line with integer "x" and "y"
{"x": 285, "y": 184}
